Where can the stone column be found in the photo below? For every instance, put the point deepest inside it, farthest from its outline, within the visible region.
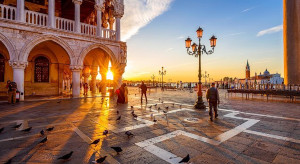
(94, 75)
(21, 10)
(118, 72)
(77, 4)
(291, 39)
(18, 76)
(51, 13)
(76, 80)
(118, 29)
(99, 8)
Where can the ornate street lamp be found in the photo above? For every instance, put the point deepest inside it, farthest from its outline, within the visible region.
(205, 76)
(153, 78)
(197, 51)
(162, 73)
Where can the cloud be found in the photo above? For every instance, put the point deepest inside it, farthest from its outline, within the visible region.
(248, 9)
(180, 37)
(270, 30)
(170, 49)
(138, 13)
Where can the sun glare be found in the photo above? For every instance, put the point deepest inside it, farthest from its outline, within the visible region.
(99, 77)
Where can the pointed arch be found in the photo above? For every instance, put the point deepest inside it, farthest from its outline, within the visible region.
(9, 46)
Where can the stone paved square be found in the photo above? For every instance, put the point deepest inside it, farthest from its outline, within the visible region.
(245, 132)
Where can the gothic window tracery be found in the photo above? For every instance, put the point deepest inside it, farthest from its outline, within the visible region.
(41, 69)
(2, 68)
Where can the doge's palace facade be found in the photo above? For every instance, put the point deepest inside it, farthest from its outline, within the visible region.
(46, 45)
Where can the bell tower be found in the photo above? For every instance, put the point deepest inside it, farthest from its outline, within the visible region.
(247, 70)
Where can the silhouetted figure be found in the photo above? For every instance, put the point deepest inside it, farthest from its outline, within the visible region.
(212, 96)
(144, 91)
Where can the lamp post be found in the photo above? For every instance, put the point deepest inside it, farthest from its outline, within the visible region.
(153, 78)
(205, 76)
(162, 73)
(198, 50)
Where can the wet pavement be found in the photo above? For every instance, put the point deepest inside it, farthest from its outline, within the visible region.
(245, 132)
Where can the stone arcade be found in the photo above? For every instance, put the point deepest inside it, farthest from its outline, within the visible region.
(48, 44)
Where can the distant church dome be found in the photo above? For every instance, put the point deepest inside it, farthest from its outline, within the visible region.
(266, 72)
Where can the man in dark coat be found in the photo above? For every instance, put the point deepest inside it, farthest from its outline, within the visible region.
(212, 96)
(144, 91)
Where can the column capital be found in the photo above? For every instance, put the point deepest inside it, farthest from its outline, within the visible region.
(75, 68)
(118, 9)
(77, 2)
(18, 64)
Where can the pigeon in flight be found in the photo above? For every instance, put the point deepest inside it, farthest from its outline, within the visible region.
(129, 134)
(27, 129)
(17, 126)
(44, 140)
(95, 142)
(100, 160)
(117, 149)
(185, 159)
(50, 129)
(42, 132)
(67, 156)
(105, 132)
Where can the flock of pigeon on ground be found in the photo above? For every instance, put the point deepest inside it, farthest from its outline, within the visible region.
(95, 142)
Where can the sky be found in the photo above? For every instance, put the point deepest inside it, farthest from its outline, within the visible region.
(155, 32)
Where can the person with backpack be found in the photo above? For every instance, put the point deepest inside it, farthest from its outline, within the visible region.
(11, 91)
(212, 96)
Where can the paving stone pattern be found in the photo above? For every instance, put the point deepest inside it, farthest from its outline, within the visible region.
(78, 122)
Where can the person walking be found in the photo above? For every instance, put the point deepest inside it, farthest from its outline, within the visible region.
(11, 91)
(144, 91)
(212, 96)
(85, 88)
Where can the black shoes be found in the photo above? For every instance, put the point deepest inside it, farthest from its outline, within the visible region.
(216, 116)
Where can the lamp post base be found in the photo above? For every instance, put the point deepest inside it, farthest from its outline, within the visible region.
(200, 104)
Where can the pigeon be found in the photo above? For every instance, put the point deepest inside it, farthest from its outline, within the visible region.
(185, 159)
(95, 142)
(132, 112)
(165, 112)
(117, 149)
(67, 156)
(162, 102)
(134, 116)
(27, 129)
(8, 161)
(119, 118)
(117, 112)
(150, 106)
(131, 107)
(105, 132)
(154, 120)
(180, 106)
(50, 129)
(173, 104)
(100, 160)
(44, 140)
(155, 105)
(167, 107)
(17, 126)
(128, 133)
(1, 129)
(158, 109)
(42, 132)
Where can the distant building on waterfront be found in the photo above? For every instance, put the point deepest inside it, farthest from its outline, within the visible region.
(265, 78)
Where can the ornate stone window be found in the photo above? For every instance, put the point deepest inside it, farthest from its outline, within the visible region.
(41, 69)
(2, 68)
